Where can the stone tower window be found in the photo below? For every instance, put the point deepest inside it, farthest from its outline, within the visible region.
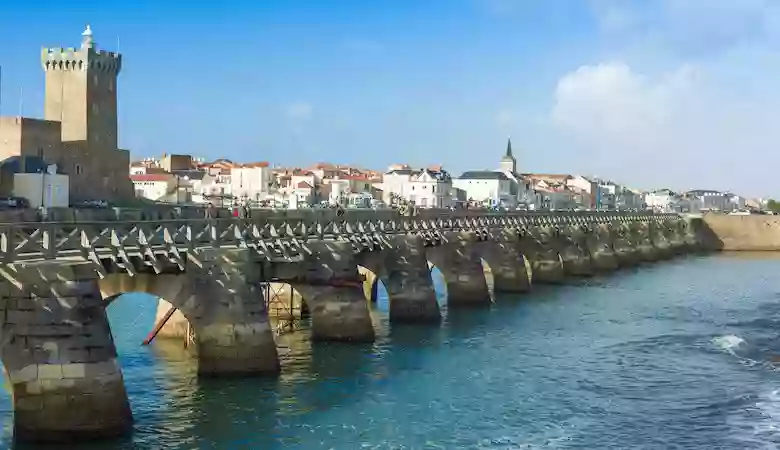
(96, 79)
(95, 108)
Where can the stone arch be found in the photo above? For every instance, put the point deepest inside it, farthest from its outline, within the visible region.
(224, 306)
(402, 268)
(371, 282)
(506, 261)
(544, 260)
(460, 263)
(171, 290)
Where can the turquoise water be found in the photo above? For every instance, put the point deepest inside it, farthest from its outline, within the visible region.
(676, 355)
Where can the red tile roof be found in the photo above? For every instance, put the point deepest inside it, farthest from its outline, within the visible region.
(303, 185)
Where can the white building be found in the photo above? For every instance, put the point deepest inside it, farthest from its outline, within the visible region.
(662, 200)
(157, 187)
(49, 189)
(492, 188)
(250, 182)
(426, 188)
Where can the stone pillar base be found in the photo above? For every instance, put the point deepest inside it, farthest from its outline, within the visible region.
(578, 266)
(512, 282)
(547, 269)
(627, 257)
(235, 350)
(604, 261)
(415, 309)
(648, 253)
(70, 402)
(467, 293)
(338, 313)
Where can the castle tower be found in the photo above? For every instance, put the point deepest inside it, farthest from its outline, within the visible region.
(81, 92)
(508, 162)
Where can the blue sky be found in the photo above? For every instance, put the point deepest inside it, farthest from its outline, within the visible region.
(653, 93)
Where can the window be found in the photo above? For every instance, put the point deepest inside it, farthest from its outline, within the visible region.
(40, 152)
(78, 169)
(95, 108)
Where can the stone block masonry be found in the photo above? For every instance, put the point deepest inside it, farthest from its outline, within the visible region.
(61, 360)
(59, 352)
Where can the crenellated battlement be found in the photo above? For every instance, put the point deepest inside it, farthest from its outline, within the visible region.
(71, 59)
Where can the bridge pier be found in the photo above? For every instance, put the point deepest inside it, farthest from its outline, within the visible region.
(545, 261)
(461, 265)
(332, 289)
(642, 240)
(626, 254)
(60, 356)
(599, 245)
(507, 262)
(403, 268)
(659, 240)
(576, 259)
(230, 320)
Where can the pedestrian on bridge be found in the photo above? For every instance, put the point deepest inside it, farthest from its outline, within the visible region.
(211, 211)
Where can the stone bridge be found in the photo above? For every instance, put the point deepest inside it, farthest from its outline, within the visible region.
(57, 278)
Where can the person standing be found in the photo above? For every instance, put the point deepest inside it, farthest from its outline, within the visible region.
(211, 211)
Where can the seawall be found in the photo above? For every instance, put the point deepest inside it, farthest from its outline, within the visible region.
(753, 232)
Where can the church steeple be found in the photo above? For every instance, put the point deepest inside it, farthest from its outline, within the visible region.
(508, 161)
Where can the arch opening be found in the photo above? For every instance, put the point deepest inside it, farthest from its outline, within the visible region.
(489, 277)
(439, 283)
(160, 377)
(286, 307)
(374, 290)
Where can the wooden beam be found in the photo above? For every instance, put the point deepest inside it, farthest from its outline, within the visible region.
(158, 326)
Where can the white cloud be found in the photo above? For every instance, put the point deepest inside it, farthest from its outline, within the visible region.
(300, 111)
(609, 102)
(679, 128)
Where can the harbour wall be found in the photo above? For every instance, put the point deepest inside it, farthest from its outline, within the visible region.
(753, 232)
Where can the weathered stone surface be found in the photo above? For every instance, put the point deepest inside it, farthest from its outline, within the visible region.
(507, 262)
(539, 247)
(403, 268)
(576, 259)
(61, 361)
(332, 289)
(461, 265)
